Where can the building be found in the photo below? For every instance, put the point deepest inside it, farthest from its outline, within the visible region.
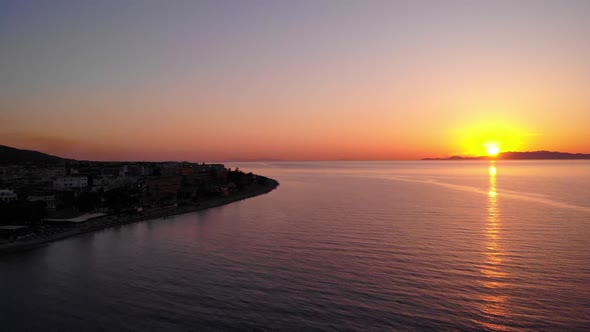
(161, 190)
(70, 183)
(220, 172)
(48, 199)
(7, 195)
(123, 170)
(50, 173)
(110, 171)
(136, 170)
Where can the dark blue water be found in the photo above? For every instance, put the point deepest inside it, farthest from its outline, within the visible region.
(338, 246)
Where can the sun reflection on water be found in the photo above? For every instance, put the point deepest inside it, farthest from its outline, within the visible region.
(493, 302)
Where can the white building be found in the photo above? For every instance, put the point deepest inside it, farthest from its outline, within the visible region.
(7, 195)
(70, 183)
(48, 199)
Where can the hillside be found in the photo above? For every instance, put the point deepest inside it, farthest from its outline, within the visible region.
(9, 155)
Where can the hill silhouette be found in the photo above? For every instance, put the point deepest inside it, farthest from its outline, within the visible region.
(9, 155)
(528, 155)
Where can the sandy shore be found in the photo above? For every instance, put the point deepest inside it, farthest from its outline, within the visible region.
(109, 221)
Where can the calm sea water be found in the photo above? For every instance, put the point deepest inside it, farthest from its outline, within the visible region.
(338, 246)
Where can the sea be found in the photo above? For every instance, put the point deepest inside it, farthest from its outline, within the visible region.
(338, 246)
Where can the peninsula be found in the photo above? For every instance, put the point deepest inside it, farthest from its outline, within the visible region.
(529, 155)
(45, 198)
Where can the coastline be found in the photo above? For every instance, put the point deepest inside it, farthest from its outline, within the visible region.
(107, 221)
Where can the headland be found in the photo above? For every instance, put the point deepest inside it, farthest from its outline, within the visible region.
(40, 235)
(45, 198)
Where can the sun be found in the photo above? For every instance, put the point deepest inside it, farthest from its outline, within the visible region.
(492, 149)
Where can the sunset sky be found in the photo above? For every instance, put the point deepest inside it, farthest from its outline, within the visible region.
(293, 80)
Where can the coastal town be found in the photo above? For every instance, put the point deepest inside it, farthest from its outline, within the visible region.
(44, 200)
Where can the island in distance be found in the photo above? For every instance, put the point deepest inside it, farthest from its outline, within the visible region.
(529, 155)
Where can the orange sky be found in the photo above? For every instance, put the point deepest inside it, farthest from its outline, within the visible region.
(308, 81)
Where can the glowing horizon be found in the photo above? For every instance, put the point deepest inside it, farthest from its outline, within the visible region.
(294, 81)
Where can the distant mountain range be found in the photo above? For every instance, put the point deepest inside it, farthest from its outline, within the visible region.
(529, 155)
(10, 155)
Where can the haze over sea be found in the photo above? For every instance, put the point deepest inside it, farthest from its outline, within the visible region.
(338, 246)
